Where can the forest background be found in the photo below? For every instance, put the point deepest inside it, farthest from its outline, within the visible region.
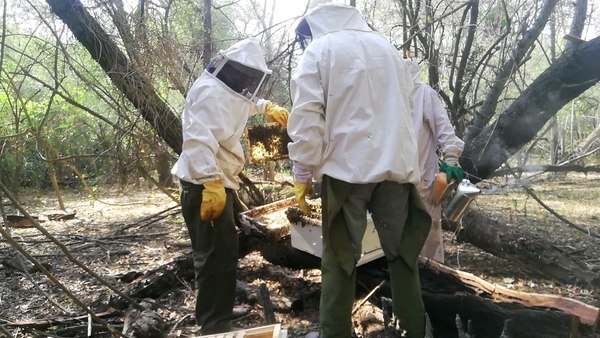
(64, 119)
(92, 91)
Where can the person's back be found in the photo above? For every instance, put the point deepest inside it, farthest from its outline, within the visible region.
(350, 127)
(434, 131)
(357, 75)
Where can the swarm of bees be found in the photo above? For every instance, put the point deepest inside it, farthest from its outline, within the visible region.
(295, 215)
(267, 142)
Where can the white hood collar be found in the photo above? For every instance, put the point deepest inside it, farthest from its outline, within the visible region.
(331, 17)
(249, 53)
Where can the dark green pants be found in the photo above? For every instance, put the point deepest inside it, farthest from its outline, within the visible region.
(402, 226)
(215, 247)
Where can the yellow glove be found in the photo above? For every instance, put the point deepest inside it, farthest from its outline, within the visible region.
(301, 190)
(275, 113)
(213, 200)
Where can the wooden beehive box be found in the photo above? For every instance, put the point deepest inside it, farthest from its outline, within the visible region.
(268, 331)
(266, 142)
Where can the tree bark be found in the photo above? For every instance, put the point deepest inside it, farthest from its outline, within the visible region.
(533, 253)
(572, 74)
(446, 293)
(122, 72)
(578, 23)
(547, 168)
(488, 109)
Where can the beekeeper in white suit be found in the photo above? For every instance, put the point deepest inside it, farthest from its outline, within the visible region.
(351, 128)
(216, 111)
(434, 131)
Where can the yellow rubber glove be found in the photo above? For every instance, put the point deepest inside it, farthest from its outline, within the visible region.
(213, 200)
(301, 190)
(275, 113)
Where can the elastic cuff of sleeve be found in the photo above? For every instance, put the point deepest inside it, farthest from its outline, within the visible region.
(453, 161)
(301, 174)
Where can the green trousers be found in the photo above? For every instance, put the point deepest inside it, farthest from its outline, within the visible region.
(402, 224)
(215, 252)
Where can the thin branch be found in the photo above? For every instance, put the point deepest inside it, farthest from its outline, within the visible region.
(364, 300)
(51, 277)
(5, 330)
(37, 287)
(64, 249)
(488, 109)
(531, 193)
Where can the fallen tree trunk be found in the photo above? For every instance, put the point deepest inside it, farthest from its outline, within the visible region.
(446, 293)
(546, 168)
(534, 253)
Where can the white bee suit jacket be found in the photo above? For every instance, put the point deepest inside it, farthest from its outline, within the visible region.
(434, 129)
(351, 109)
(214, 118)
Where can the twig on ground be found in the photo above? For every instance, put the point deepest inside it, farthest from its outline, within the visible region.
(53, 279)
(45, 294)
(5, 331)
(62, 247)
(152, 218)
(178, 323)
(364, 300)
(533, 195)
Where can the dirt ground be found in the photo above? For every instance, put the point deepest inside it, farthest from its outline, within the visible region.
(117, 234)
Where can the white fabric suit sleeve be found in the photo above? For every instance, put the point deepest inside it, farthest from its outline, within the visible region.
(306, 124)
(202, 129)
(450, 144)
(259, 107)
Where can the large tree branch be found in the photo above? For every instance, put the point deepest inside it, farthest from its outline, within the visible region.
(488, 109)
(122, 72)
(578, 23)
(572, 74)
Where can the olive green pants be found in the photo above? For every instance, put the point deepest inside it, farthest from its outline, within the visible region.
(402, 225)
(215, 251)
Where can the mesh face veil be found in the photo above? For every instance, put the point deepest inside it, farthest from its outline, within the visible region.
(242, 79)
(241, 67)
(303, 34)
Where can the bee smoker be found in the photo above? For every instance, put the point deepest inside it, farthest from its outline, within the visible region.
(464, 195)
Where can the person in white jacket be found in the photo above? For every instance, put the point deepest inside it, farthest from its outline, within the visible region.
(216, 111)
(434, 131)
(350, 127)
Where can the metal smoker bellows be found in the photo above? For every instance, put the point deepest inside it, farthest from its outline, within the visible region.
(465, 194)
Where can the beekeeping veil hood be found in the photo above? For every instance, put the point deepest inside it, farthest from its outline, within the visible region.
(245, 59)
(326, 17)
(415, 72)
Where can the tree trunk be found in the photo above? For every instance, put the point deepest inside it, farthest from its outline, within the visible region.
(488, 108)
(536, 254)
(446, 293)
(123, 73)
(572, 74)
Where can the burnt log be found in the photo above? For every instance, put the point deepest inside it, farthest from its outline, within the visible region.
(546, 168)
(485, 308)
(446, 294)
(530, 251)
(145, 323)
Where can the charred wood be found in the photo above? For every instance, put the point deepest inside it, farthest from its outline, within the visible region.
(546, 168)
(535, 254)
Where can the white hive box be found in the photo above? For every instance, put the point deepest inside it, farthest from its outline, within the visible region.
(308, 237)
